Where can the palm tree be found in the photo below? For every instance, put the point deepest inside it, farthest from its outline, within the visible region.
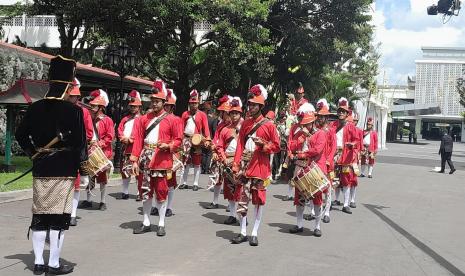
(337, 85)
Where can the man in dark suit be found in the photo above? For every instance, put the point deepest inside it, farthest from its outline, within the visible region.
(446, 153)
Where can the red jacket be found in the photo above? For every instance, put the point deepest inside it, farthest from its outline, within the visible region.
(106, 133)
(259, 165)
(360, 138)
(350, 142)
(316, 144)
(219, 128)
(224, 140)
(331, 147)
(201, 123)
(373, 141)
(121, 127)
(296, 104)
(88, 124)
(170, 132)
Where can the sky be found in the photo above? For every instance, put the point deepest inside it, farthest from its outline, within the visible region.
(403, 27)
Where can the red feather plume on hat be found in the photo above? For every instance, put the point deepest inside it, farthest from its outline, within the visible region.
(194, 93)
(235, 103)
(223, 99)
(133, 94)
(255, 90)
(320, 105)
(95, 93)
(343, 103)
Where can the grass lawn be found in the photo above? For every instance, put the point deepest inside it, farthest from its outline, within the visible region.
(22, 164)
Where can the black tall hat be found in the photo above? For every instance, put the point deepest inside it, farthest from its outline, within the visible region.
(60, 76)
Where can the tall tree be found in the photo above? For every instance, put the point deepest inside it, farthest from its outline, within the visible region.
(162, 33)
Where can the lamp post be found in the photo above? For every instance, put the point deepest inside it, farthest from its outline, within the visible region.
(122, 60)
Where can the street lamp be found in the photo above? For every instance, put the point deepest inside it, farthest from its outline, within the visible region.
(122, 60)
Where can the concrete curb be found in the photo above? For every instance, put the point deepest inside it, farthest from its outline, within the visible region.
(12, 196)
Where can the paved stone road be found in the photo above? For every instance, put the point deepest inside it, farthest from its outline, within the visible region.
(409, 221)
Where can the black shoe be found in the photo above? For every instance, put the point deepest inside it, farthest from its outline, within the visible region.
(352, 205)
(183, 186)
(73, 221)
(61, 270)
(346, 210)
(154, 211)
(195, 188)
(309, 217)
(85, 204)
(326, 219)
(102, 206)
(143, 229)
(288, 198)
(239, 239)
(370, 176)
(317, 233)
(211, 206)
(168, 213)
(124, 196)
(39, 269)
(362, 175)
(230, 220)
(452, 171)
(161, 231)
(253, 241)
(440, 171)
(336, 203)
(296, 230)
(138, 198)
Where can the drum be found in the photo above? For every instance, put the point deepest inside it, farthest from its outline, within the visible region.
(310, 180)
(196, 140)
(98, 162)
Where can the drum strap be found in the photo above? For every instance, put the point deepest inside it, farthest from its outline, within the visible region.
(255, 128)
(154, 124)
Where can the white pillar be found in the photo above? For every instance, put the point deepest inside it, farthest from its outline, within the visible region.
(418, 128)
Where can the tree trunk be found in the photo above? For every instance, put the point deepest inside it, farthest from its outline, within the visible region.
(181, 85)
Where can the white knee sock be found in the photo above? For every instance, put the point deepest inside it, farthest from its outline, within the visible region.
(352, 194)
(346, 191)
(232, 208)
(170, 198)
(364, 169)
(290, 191)
(196, 175)
(328, 204)
(216, 193)
(317, 216)
(185, 174)
(146, 208)
(38, 244)
(258, 217)
(102, 192)
(299, 213)
(55, 248)
(75, 203)
(337, 191)
(370, 169)
(243, 225)
(89, 196)
(126, 185)
(162, 212)
(311, 208)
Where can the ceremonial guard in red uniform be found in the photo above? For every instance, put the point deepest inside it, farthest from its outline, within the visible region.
(370, 148)
(347, 140)
(258, 139)
(177, 160)
(217, 177)
(330, 150)
(227, 145)
(299, 100)
(82, 178)
(103, 137)
(156, 139)
(307, 144)
(52, 132)
(195, 122)
(125, 136)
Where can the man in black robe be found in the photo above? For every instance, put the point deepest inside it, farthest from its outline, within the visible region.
(55, 167)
